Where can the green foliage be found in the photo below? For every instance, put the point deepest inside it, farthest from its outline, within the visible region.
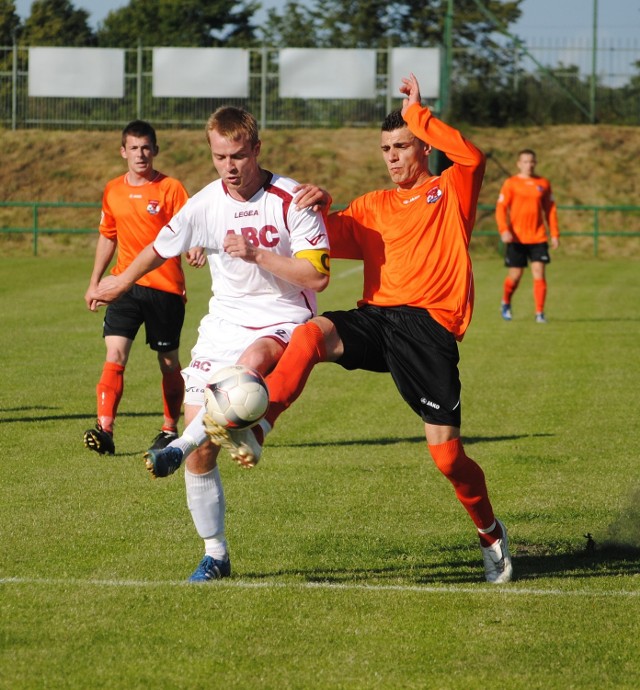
(9, 22)
(196, 23)
(57, 23)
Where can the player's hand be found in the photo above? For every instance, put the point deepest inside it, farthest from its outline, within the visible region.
(239, 247)
(411, 89)
(196, 257)
(313, 197)
(107, 291)
(555, 242)
(506, 236)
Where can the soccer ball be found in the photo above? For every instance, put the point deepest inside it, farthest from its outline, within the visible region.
(236, 397)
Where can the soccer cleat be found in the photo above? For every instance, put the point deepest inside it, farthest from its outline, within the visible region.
(164, 461)
(99, 440)
(540, 317)
(211, 568)
(505, 311)
(242, 444)
(163, 439)
(497, 560)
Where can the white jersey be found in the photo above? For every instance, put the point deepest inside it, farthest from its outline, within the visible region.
(243, 293)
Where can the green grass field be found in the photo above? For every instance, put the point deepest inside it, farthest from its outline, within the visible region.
(354, 566)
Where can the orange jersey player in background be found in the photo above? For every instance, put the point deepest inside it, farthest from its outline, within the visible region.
(135, 206)
(417, 301)
(525, 211)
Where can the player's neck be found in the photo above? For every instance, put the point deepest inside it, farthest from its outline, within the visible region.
(248, 192)
(136, 180)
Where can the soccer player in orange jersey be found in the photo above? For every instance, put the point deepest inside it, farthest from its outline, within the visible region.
(524, 211)
(135, 206)
(417, 299)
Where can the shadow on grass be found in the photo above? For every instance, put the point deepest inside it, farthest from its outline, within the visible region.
(387, 441)
(531, 563)
(62, 417)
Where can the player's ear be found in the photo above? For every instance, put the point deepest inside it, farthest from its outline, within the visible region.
(123, 152)
(427, 149)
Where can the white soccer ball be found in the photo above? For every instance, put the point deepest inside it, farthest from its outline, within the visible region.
(236, 397)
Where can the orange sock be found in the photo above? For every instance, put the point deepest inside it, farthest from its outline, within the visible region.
(539, 294)
(172, 397)
(109, 393)
(508, 288)
(468, 481)
(288, 379)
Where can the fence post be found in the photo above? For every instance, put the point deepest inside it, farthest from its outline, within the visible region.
(35, 229)
(139, 81)
(14, 87)
(263, 88)
(596, 230)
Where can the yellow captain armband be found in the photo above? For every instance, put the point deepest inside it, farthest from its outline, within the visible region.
(318, 257)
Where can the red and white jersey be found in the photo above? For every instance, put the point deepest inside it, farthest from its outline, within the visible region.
(243, 293)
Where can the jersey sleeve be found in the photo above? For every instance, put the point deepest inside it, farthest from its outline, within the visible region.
(502, 207)
(467, 171)
(178, 235)
(308, 230)
(107, 225)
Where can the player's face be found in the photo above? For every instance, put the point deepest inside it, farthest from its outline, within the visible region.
(236, 161)
(527, 164)
(139, 153)
(407, 157)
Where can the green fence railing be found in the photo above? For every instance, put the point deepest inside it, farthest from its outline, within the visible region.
(590, 221)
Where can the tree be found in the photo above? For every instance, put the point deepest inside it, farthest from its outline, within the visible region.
(57, 23)
(10, 24)
(379, 23)
(195, 23)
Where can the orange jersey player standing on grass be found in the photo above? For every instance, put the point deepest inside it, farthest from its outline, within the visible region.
(135, 206)
(524, 211)
(417, 300)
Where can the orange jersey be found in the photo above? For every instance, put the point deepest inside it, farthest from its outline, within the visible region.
(132, 216)
(414, 243)
(524, 204)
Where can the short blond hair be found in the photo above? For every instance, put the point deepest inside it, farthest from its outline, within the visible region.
(233, 123)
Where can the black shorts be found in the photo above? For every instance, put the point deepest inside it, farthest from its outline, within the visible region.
(161, 312)
(517, 254)
(420, 354)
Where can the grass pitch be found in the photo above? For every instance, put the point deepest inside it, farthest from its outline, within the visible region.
(354, 566)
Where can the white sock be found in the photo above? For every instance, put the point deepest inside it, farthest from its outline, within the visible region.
(192, 437)
(205, 499)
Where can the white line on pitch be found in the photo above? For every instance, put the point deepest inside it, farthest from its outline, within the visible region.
(512, 589)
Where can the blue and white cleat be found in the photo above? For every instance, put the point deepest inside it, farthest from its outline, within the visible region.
(505, 311)
(163, 462)
(540, 317)
(211, 568)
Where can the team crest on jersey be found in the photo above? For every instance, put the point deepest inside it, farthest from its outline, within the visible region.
(433, 195)
(153, 207)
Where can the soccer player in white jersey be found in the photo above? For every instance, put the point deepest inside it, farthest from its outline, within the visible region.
(267, 258)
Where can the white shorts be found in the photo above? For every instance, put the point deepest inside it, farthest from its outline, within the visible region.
(219, 344)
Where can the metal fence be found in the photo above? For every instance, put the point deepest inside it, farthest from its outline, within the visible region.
(45, 219)
(617, 66)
